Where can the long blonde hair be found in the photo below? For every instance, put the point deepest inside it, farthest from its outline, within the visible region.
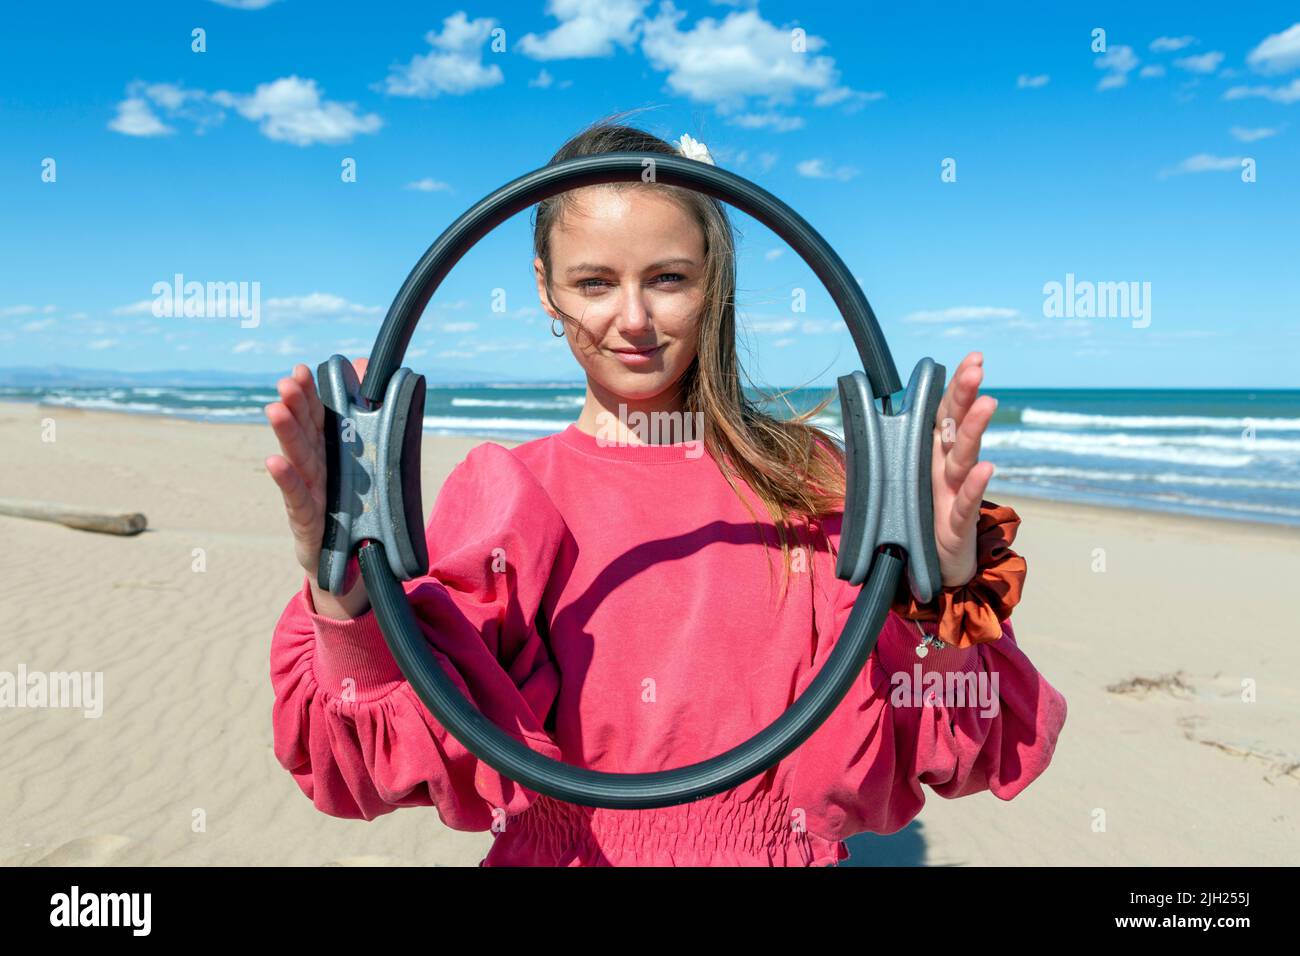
(794, 468)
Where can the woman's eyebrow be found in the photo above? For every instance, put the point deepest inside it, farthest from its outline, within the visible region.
(605, 270)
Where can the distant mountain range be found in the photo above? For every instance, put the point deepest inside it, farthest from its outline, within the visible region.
(54, 375)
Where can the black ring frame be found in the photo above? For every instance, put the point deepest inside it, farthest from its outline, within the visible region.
(502, 751)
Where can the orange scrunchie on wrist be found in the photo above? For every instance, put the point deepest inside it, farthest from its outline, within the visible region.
(972, 613)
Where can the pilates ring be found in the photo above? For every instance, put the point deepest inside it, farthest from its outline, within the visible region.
(372, 438)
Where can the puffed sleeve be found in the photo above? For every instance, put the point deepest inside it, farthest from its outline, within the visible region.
(959, 720)
(348, 726)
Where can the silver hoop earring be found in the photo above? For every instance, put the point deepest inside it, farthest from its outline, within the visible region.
(559, 334)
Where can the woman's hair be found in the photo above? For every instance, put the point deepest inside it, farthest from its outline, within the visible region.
(795, 469)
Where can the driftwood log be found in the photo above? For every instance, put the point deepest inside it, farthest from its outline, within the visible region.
(85, 519)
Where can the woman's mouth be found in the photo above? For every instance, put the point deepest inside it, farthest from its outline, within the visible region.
(638, 356)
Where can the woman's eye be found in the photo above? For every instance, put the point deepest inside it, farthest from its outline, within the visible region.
(587, 284)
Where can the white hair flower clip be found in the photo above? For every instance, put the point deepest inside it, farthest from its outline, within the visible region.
(694, 149)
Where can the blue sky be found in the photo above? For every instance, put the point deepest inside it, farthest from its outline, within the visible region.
(1122, 166)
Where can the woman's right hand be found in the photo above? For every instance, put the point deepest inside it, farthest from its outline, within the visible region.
(298, 421)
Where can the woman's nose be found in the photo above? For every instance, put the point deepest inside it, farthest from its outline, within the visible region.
(634, 316)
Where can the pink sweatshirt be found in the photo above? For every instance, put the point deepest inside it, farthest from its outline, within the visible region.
(611, 607)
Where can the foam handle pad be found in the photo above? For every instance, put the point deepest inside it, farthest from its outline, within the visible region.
(888, 497)
(372, 487)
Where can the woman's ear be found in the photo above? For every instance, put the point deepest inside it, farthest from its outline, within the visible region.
(539, 273)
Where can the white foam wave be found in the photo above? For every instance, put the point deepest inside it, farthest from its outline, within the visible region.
(1249, 506)
(1188, 451)
(150, 408)
(1035, 416)
(1167, 478)
(560, 402)
(473, 425)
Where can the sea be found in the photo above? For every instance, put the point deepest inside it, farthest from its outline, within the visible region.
(1230, 453)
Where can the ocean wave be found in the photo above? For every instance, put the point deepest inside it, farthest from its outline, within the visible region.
(91, 403)
(1187, 451)
(538, 386)
(473, 425)
(560, 403)
(1218, 442)
(1252, 507)
(1035, 416)
(1167, 478)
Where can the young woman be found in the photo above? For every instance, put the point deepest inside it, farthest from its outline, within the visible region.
(630, 605)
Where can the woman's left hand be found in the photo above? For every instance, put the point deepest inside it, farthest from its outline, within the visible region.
(958, 477)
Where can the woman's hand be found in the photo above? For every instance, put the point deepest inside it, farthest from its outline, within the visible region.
(958, 477)
(298, 421)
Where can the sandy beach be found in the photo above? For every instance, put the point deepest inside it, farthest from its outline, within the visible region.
(1161, 760)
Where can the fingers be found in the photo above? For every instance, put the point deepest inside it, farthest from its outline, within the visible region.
(966, 503)
(962, 390)
(298, 502)
(361, 364)
(303, 449)
(294, 397)
(302, 375)
(965, 453)
(961, 393)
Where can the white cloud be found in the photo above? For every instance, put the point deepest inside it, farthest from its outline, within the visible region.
(728, 61)
(588, 28)
(315, 305)
(1279, 53)
(428, 185)
(776, 122)
(459, 326)
(1203, 63)
(774, 326)
(100, 344)
(855, 99)
(1278, 94)
(1203, 163)
(816, 169)
(9, 310)
(1118, 62)
(962, 313)
(1026, 82)
(1170, 44)
(135, 118)
(285, 346)
(773, 254)
(821, 326)
(1251, 135)
(480, 348)
(138, 114)
(171, 96)
(545, 81)
(36, 326)
(1154, 69)
(291, 110)
(454, 67)
(143, 307)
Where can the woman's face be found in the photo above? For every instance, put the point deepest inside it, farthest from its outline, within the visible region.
(628, 265)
